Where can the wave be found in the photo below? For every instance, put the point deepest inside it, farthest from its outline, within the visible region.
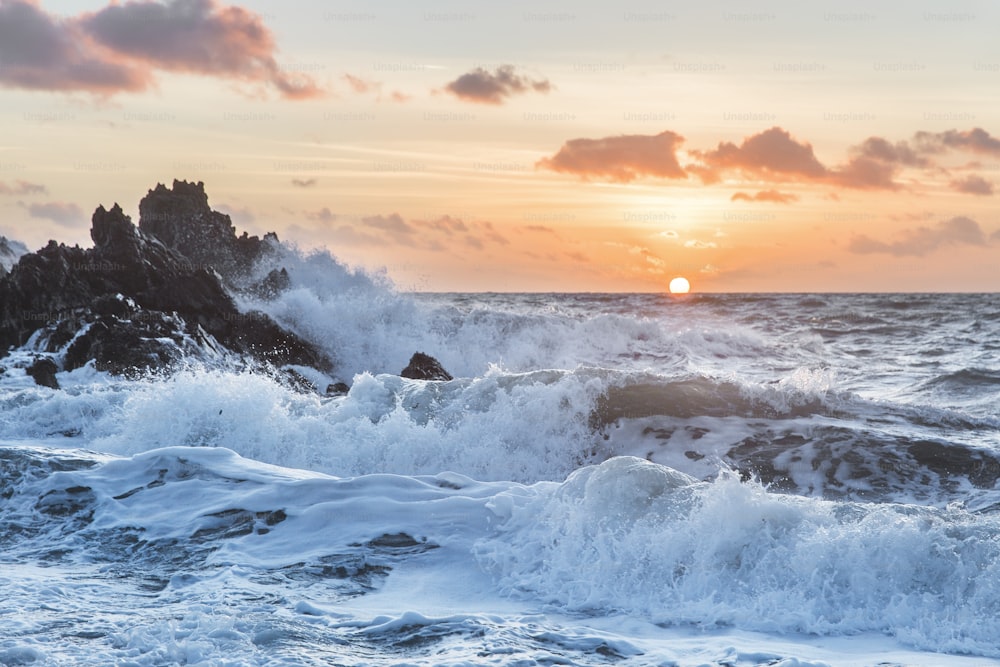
(624, 537)
(637, 538)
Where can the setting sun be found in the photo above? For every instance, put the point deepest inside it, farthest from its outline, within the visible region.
(680, 285)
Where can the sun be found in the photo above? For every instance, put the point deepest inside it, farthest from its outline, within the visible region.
(680, 285)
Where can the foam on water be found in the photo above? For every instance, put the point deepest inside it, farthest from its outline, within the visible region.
(640, 539)
(196, 555)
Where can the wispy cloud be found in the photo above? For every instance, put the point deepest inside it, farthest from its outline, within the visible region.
(122, 47)
(920, 241)
(484, 87)
(22, 188)
(765, 195)
(61, 213)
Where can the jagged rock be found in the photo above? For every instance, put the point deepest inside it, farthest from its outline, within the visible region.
(424, 367)
(43, 371)
(181, 219)
(147, 305)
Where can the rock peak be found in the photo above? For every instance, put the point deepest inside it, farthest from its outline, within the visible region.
(111, 229)
(180, 218)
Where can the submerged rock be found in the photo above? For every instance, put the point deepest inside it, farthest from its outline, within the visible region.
(425, 367)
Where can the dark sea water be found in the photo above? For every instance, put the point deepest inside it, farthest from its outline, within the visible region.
(628, 479)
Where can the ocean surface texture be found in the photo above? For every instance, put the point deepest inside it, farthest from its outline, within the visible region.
(610, 480)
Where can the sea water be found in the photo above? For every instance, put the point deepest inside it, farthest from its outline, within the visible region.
(627, 479)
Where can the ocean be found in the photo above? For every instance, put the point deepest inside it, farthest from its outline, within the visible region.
(610, 479)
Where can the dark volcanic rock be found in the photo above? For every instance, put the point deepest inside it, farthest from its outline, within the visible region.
(425, 367)
(146, 305)
(44, 372)
(181, 219)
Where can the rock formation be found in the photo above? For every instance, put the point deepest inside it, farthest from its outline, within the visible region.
(181, 219)
(136, 301)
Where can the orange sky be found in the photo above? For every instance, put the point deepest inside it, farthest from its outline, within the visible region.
(765, 147)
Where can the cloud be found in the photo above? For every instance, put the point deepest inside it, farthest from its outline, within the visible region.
(483, 87)
(620, 159)
(363, 86)
(392, 223)
(700, 245)
(444, 224)
(765, 195)
(973, 185)
(62, 213)
(22, 188)
(976, 140)
(121, 47)
(324, 215)
(300, 183)
(864, 172)
(772, 154)
(877, 148)
(923, 240)
(360, 85)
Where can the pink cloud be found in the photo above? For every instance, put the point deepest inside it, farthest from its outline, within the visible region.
(620, 159)
(765, 195)
(772, 154)
(22, 188)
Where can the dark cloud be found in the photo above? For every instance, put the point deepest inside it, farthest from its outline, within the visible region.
(40, 52)
(765, 195)
(62, 213)
(973, 185)
(621, 159)
(22, 188)
(121, 47)
(921, 241)
(485, 87)
(306, 183)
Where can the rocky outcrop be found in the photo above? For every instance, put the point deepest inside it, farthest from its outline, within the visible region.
(425, 367)
(132, 303)
(181, 219)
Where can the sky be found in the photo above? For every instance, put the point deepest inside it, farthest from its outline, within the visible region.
(528, 146)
